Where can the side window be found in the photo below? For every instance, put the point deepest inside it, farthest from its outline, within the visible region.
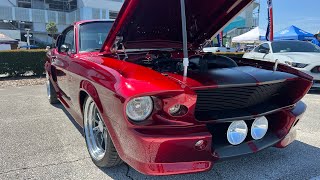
(257, 49)
(263, 48)
(68, 39)
(58, 41)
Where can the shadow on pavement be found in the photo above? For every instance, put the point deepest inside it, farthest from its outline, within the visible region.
(314, 91)
(73, 121)
(112, 172)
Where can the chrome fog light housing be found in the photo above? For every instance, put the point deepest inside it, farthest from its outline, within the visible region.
(237, 132)
(174, 109)
(259, 128)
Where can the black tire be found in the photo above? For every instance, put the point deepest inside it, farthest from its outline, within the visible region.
(51, 92)
(110, 156)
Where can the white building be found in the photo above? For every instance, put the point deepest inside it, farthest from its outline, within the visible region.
(17, 15)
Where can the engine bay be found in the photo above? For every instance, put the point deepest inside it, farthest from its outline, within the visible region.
(166, 61)
(161, 62)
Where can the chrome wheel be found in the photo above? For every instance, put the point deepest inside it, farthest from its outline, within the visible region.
(95, 131)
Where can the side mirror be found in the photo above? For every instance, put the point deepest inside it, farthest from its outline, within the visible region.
(64, 48)
(265, 51)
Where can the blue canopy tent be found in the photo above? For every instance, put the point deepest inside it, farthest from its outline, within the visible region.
(292, 33)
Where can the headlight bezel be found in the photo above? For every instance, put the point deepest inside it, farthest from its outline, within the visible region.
(297, 64)
(137, 119)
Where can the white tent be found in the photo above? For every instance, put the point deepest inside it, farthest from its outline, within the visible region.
(252, 36)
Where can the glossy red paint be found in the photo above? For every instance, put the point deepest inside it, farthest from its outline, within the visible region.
(164, 144)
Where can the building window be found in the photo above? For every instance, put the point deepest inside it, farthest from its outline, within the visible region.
(113, 14)
(54, 5)
(24, 3)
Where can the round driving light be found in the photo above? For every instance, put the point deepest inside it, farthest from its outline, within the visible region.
(237, 132)
(259, 128)
(201, 145)
(138, 109)
(174, 109)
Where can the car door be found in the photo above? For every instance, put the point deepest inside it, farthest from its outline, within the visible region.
(63, 58)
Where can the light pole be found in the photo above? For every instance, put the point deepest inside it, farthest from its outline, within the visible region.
(28, 37)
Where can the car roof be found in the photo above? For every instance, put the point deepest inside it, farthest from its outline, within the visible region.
(92, 20)
(288, 41)
(270, 42)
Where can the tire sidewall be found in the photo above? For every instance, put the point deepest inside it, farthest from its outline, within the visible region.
(105, 161)
(51, 93)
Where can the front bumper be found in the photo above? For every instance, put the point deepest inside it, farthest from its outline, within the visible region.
(174, 151)
(316, 84)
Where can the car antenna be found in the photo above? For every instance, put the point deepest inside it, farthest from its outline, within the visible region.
(185, 39)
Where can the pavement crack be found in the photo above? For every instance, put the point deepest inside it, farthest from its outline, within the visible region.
(127, 173)
(41, 166)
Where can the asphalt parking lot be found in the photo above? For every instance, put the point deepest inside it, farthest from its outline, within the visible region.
(40, 141)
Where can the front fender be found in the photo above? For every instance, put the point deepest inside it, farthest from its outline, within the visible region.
(90, 89)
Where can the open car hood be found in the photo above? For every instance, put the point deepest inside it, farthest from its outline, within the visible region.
(146, 24)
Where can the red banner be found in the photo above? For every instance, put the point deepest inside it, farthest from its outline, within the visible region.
(269, 35)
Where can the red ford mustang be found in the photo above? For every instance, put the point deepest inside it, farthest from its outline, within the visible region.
(147, 95)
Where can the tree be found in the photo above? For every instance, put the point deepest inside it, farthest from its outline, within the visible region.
(52, 30)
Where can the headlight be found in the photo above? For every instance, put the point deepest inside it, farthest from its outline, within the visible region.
(296, 65)
(174, 109)
(259, 128)
(299, 65)
(237, 132)
(138, 109)
(316, 69)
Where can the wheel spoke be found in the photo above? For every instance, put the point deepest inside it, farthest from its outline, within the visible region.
(96, 140)
(101, 136)
(95, 134)
(95, 128)
(95, 120)
(101, 140)
(99, 118)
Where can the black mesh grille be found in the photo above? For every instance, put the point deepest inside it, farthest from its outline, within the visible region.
(230, 102)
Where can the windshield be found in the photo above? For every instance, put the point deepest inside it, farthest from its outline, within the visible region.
(92, 35)
(294, 46)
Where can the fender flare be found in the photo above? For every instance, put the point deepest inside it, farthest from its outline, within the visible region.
(90, 89)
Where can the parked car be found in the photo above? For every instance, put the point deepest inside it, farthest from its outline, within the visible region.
(219, 49)
(209, 47)
(138, 103)
(29, 47)
(300, 55)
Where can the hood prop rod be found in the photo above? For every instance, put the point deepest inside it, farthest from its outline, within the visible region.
(185, 38)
